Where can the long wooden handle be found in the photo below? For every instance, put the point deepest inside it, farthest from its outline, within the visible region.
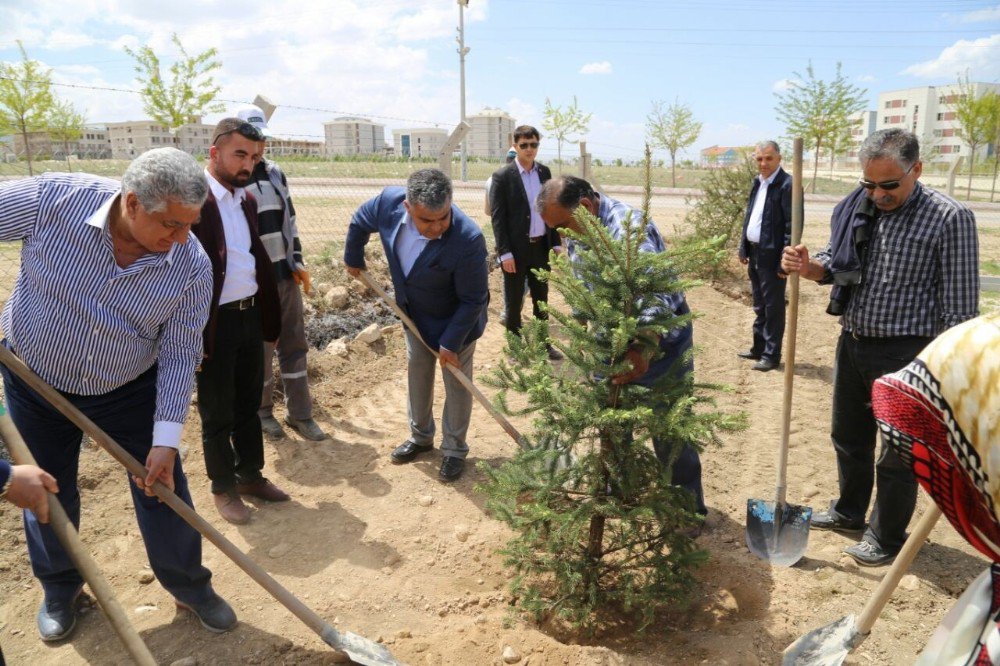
(791, 327)
(85, 564)
(892, 577)
(67, 409)
(459, 375)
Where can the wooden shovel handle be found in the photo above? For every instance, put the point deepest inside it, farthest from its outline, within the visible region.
(459, 375)
(67, 409)
(70, 540)
(892, 577)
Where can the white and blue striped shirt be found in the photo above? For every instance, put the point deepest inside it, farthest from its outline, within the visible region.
(86, 325)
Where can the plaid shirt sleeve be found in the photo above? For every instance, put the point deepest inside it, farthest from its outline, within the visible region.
(958, 291)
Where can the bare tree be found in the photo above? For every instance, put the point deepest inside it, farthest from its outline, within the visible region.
(25, 99)
(187, 95)
(672, 127)
(564, 124)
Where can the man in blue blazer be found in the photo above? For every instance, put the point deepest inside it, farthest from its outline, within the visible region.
(767, 229)
(437, 260)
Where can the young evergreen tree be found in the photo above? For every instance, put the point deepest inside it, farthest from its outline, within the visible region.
(607, 533)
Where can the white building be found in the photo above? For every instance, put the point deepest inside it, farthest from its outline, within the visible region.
(862, 126)
(353, 136)
(132, 138)
(418, 141)
(929, 112)
(490, 135)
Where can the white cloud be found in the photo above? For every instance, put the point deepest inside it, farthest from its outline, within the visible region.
(602, 67)
(781, 85)
(865, 78)
(523, 113)
(980, 57)
(981, 15)
(64, 40)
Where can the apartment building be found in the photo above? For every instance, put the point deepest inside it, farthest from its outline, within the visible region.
(134, 137)
(418, 141)
(353, 136)
(490, 133)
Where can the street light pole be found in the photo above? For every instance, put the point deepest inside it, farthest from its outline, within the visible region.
(463, 50)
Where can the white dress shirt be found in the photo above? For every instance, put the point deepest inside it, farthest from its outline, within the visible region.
(241, 269)
(757, 212)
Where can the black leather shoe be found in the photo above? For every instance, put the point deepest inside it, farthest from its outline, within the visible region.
(749, 355)
(824, 520)
(554, 354)
(451, 468)
(214, 613)
(57, 619)
(765, 365)
(407, 451)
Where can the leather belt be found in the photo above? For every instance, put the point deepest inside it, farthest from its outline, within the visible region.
(887, 339)
(242, 304)
(536, 239)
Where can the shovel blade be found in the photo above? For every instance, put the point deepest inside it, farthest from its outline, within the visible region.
(826, 646)
(779, 534)
(360, 649)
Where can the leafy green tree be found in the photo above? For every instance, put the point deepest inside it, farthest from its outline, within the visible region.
(564, 124)
(188, 93)
(25, 98)
(599, 528)
(994, 139)
(672, 127)
(819, 110)
(976, 123)
(65, 124)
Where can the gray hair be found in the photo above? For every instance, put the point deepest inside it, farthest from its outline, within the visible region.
(165, 175)
(564, 191)
(429, 188)
(773, 145)
(895, 144)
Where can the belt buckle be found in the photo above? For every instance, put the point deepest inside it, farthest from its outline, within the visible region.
(246, 303)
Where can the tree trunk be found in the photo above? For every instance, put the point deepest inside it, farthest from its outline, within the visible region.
(27, 148)
(673, 169)
(972, 163)
(996, 166)
(595, 539)
(559, 154)
(812, 187)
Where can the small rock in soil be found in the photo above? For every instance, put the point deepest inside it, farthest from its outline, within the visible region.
(369, 334)
(426, 500)
(510, 655)
(146, 577)
(186, 661)
(462, 532)
(336, 298)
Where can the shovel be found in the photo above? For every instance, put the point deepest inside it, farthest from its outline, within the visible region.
(778, 532)
(357, 648)
(830, 645)
(85, 564)
(459, 375)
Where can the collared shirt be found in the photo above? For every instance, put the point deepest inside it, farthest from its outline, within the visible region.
(241, 268)
(83, 323)
(921, 275)
(532, 186)
(757, 212)
(410, 243)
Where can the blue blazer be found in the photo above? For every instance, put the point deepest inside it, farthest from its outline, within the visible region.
(447, 290)
(776, 221)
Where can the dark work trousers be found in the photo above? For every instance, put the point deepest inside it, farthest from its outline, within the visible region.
(513, 285)
(768, 305)
(858, 364)
(126, 414)
(229, 388)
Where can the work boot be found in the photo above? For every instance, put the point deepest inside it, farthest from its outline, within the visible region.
(270, 427)
(57, 619)
(214, 613)
(308, 428)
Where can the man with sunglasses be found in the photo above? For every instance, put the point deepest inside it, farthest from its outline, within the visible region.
(108, 309)
(244, 314)
(521, 237)
(904, 262)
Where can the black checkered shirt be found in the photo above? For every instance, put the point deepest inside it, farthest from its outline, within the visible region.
(922, 271)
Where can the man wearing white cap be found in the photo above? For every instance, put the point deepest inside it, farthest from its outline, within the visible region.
(278, 232)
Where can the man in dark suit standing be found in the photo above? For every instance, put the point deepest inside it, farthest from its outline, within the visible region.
(767, 228)
(522, 239)
(437, 260)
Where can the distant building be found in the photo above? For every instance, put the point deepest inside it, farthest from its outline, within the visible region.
(490, 135)
(93, 144)
(723, 156)
(353, 136)
(929, 112)
(418, 141)
(281, 147)
(132, 138)
(194, 138)
(863, 124)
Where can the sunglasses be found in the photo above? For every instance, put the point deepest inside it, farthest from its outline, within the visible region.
(527, 144)
(885, 184)
(245, 130)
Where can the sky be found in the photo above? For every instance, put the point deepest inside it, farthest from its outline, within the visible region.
(396, 61)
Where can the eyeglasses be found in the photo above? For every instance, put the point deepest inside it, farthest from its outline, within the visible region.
(527, 144)
(245, 130)
(885, 184)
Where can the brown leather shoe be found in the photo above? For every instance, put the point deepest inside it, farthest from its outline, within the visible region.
(231, 507)
(263, 489)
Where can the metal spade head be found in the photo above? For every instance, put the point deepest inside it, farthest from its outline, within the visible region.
(826, 646)
(360, 649)
(776, 532)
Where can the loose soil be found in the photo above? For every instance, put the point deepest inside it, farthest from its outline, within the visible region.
(390, 553)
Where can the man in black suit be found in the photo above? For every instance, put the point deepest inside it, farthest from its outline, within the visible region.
(767, 228)
(522, 239)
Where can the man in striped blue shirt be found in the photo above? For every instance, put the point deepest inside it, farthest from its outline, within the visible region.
(108, 308)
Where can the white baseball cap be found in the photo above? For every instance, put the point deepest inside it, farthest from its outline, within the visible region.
(253, 115)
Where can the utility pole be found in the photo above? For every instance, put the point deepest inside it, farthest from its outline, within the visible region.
(463, 50)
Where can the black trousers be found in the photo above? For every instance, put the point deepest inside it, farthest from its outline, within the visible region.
(229, 390)
(858, 364)
(768, 305)
(513, 285)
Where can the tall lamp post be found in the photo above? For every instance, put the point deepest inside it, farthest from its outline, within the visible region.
(463, 50)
